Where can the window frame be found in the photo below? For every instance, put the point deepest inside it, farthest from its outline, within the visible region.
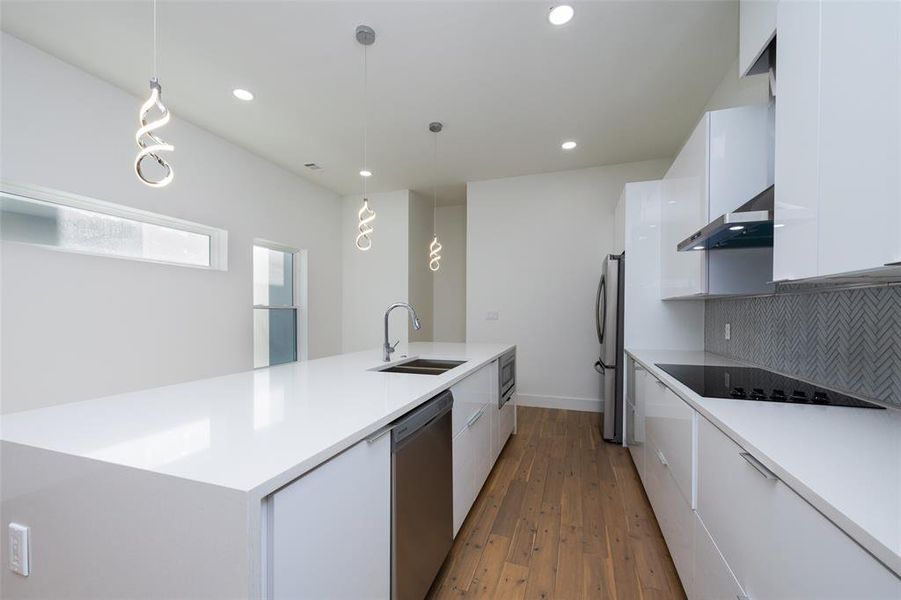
(42, 195)
(298, 292)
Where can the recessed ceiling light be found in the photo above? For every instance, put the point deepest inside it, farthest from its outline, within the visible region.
(561, 15)
(244, 95)
(698, 248)
(365, 173)
(568, 145)
(736, 228)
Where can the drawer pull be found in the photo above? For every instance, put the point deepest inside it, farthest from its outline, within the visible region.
(662, 459)
(472, 420)
(758, 466)
(378, 435)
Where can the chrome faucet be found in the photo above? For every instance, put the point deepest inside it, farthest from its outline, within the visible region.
(388, 348)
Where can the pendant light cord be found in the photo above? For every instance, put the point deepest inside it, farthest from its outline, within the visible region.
(155, 68)
(365, 117)
(435, 190)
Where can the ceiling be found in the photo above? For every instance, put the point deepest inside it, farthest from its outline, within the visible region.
(627, 80)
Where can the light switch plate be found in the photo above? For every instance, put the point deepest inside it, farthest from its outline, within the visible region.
(492, 315)
(18, 549)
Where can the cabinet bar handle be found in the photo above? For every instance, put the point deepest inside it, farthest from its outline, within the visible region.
(662, 458)
(378, 435)
(758, 466)
(472, 420)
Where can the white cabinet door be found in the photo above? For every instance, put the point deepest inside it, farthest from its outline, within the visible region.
(683, 211)
(332, 522)
(860, 135)
(838, 138)
(713, 579)
(674, 514)
(795, 236)
(472, 393)
(472, 461)
(635, 425)
(506, 422)
(670, 428)
(756, 29)
(776, 544)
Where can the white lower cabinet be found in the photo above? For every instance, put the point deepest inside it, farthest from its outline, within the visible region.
(480, 431)
(669, 423)
(638, 379)
(472, 461)
(504, 426)
(673, 511)
(750, 535)
(713, 579)
(776, 544)
(472, 393)
(329, 533)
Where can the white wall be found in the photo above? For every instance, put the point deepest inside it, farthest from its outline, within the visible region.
(378, 277)
(535, 246)
(422, 227)
(450, 280)
(75, 326)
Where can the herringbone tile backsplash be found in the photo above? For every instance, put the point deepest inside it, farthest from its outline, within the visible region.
(845, 339)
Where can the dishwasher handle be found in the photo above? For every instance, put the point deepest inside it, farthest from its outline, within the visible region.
(421, 417)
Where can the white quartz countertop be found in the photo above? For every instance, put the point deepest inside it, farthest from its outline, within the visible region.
(253, 431)
(846, 462)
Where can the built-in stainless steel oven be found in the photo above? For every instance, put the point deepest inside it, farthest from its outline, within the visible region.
(506, 377)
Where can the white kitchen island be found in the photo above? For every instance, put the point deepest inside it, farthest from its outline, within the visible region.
(163, 492)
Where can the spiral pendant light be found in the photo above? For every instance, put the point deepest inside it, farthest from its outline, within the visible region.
(366, 37)
(149, 143)
(435, 247)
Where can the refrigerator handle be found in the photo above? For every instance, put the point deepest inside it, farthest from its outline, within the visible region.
(601, 319)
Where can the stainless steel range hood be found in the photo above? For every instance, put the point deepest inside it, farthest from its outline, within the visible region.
(749, 226)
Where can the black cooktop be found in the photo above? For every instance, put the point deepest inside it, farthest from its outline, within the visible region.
(749, 383)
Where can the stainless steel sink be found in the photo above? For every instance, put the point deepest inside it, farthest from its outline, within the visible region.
(423, 366)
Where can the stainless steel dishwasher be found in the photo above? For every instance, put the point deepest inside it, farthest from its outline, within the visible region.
(421, 497)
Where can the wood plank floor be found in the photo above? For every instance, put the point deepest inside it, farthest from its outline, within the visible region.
(563, 516)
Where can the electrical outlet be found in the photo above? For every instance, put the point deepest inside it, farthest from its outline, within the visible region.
(18, 549)
(728, 331)
(492, 316)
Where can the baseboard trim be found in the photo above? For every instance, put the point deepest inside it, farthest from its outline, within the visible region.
(583, 404)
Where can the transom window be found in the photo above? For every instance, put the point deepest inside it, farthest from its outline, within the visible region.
(73, 223)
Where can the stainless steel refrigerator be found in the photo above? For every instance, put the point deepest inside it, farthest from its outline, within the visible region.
(609, 309)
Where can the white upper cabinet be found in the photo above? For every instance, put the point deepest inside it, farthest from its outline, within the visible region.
(726, 162)
(683, 210)
(797, 143)
(838, 138)
(860, 133)
(757, 27)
